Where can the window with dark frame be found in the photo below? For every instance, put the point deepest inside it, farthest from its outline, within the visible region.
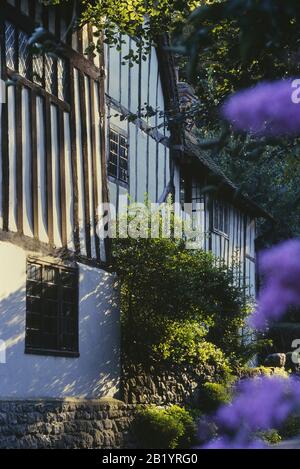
(51, 309)
(118, 156)
(220, 217)
(47, 70)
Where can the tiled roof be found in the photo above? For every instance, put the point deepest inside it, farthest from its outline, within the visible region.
(200, 155)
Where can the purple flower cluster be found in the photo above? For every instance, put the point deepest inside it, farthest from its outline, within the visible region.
(281, 269)
(227, 443)
(266, 109)
(260, 404)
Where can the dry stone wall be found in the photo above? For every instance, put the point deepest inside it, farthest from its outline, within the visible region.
(70, 423)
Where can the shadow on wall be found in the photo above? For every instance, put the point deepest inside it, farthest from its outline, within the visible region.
(95, 373)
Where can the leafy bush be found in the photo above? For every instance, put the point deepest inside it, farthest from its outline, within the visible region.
(163, 284)
(271, 437)
(214, 395)
(184, 343)
(248, 372)
(168, 428)
(291, 427)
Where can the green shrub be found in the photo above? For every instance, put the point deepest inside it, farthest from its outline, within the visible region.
(213, 395)
(162, 282)
(169, 428)
(248, 372)
(271, 437)
(184, 343)
(291, 427)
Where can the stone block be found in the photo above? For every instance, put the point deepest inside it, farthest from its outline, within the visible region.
(276, 360)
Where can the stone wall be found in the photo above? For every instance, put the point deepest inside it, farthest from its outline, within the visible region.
(162, 387)
(69, 423)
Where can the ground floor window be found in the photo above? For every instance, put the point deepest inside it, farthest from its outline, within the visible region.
(51, 309)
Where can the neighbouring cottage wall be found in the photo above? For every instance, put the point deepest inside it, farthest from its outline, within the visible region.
(70, 423)
(96, 373)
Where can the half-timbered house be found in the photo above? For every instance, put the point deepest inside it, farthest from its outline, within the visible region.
(65, 147)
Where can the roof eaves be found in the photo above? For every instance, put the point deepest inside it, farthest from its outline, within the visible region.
(192, 148)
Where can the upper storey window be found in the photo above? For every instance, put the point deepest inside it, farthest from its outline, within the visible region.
(47, 71)
(118, 156)
(221, 217)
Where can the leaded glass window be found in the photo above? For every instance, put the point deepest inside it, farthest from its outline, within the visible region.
(24, 56)
(46, 70)
(10, 45)
(118, 156)
(51, 309)
(220, 217)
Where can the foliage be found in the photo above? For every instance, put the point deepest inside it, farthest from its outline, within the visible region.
(164, 286)
(128, 17)
(184, 343)
(259, 371)
(272, 436)
(232, 45)
(213, 395)
(291, 427)
(163, 428)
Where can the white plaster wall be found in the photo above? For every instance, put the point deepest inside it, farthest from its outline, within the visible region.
(95, 373)
(123, 84)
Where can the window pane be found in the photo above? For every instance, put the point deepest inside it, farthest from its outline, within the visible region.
(122, 141)
(113, 158)
(38, 69)
(221, 215)
(10, 32)
(33, 338)
(51, 308)
(34, 272)
(50, 325)
(33, 305)
(24, 55)
(50, 275)
(50, 342)
(61, 79)
(226, 219)
(33, 321)
(68, 279)
(68, 326)
(68, 294)
(123, 174)
(51, 292)
(69, 341)
(50, 74)
(113, 136)
(123, 163)
(68, 310)
(34, 288)
(112, 166)
(216, 215)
